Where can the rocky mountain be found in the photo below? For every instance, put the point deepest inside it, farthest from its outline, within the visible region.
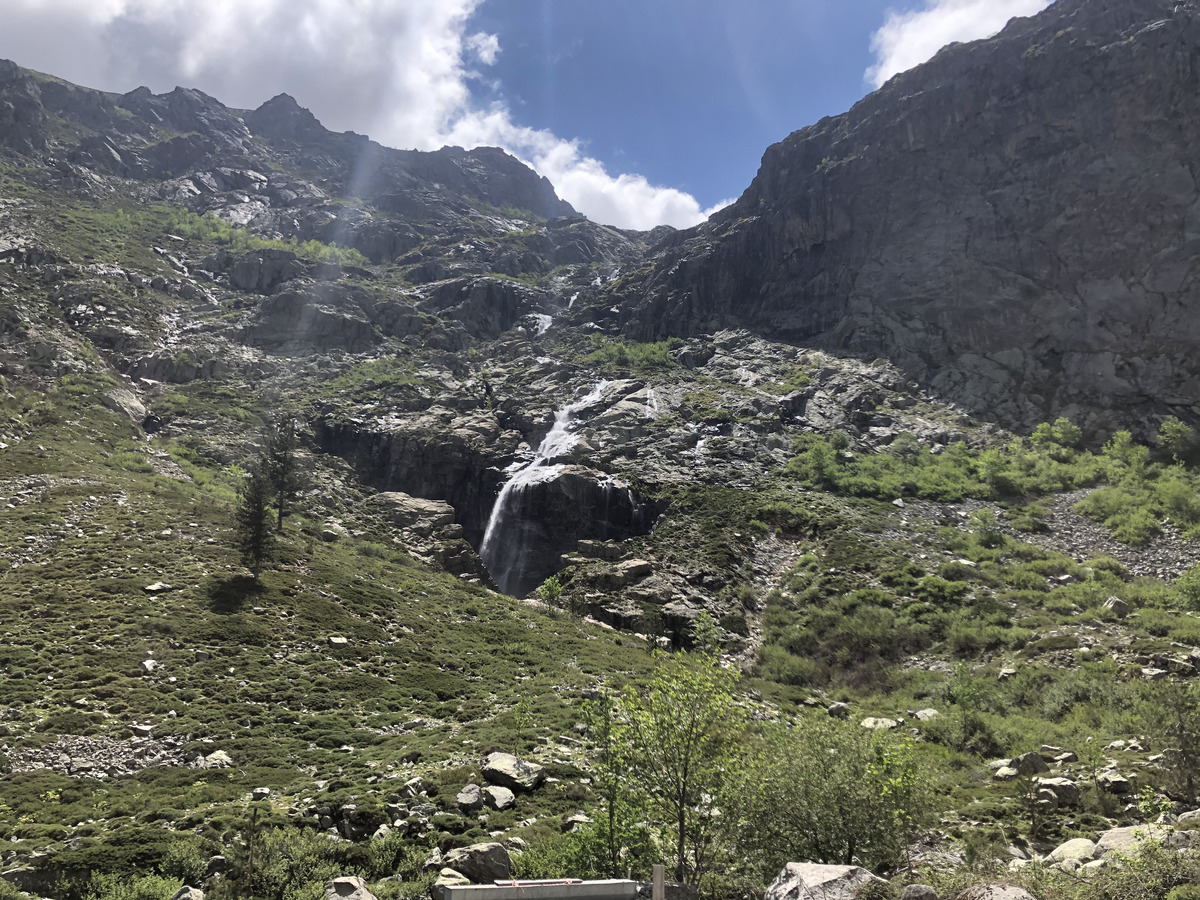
(908, 431)
(1013, 223)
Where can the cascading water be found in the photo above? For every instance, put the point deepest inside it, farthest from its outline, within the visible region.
(506, 545)
(651, 404)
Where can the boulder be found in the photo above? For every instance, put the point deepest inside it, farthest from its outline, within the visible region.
(447, 878)
(188, 893)
(122, 401)
(877, 724)
(1030, 763)
(1066, 792)
(1114, 783)
(262, 271)
(1119, 607)
(839, 710)
(1080, 849)
(469, 798)
(1126, 840)
(218, 759)
(918, 892)
(810, 881)
(481, 863)
(515, 774)
(348, 888)
(497, 797)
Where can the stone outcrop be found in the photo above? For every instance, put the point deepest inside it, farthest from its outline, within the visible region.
(1013, 222)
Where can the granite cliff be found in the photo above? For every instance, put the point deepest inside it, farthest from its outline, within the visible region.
(1014, 223)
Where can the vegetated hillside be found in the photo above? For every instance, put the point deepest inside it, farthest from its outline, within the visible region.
(176, 276)
(1011, 223)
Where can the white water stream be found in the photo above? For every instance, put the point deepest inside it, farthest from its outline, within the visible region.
(504, 555)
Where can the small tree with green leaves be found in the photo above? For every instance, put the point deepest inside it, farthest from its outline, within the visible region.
(685, 743)
(830, 792)
(618, 837)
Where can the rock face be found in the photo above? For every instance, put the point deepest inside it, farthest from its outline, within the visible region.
(1013, 222)
(809, 881)
(548, 517)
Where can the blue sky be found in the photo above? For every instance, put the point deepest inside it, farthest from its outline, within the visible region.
(641, 112)
(688, 94)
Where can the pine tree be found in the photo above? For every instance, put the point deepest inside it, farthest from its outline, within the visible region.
(255, 538)
(281, 465)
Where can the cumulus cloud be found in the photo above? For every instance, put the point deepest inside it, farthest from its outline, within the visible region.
(907, 39)
(397, 71)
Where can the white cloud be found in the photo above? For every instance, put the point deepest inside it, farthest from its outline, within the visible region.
(486, 47)
(907, 39)
(399, 71)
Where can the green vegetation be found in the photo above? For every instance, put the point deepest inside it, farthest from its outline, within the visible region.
(610, 356)
(1137, 496)
(127, 234)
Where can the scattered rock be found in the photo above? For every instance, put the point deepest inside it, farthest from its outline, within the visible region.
(918, 892)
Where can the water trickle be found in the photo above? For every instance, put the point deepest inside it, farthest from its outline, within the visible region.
(651, 404)
(505, 548)
(574, 297)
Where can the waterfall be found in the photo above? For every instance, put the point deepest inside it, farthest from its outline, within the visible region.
(543, 323)
(505, 553)
(651, 404)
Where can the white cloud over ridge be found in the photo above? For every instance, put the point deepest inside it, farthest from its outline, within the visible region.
(907, 39)
(399, 71)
